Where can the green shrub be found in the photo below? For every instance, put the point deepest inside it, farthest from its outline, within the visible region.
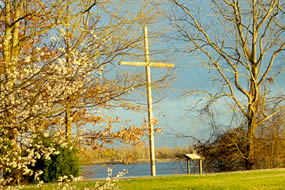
(65, 163)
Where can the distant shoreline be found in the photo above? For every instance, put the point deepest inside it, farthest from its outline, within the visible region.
(138, 161)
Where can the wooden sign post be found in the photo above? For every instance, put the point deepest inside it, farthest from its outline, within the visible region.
(147, 65)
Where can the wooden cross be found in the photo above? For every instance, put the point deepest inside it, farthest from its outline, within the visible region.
(147, 65)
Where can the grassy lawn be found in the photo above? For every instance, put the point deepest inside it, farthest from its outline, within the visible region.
(259, 180)
(263, 179)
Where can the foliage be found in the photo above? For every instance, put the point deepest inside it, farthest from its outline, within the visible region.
(270, 143)
(226, 151)
(73, 183)
(16, 159)
(131, 154)
(64, 163)
(56, 72)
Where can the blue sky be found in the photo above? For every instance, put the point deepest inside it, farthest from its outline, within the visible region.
(172, 112)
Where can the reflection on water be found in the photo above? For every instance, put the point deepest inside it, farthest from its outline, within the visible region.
(141, 169)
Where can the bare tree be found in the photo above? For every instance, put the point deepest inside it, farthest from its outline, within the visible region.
(243, 42)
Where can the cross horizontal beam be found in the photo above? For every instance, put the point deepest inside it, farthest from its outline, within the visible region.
(148, 65)
(151, 64)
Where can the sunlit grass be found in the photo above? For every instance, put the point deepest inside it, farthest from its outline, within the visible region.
(265, 179)
(272, 179)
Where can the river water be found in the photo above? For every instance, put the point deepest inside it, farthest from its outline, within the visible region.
(140, 169)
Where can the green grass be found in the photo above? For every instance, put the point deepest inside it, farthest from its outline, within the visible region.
(271, 179)
(263, 179)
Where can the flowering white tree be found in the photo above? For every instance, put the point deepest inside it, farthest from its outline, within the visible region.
(54, 56)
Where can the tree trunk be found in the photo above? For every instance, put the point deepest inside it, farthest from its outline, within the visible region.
(250, 142)
(68, 122)
(251, 120)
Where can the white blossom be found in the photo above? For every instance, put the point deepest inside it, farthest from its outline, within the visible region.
(27, 59)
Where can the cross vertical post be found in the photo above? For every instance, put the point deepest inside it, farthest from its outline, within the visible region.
(149, 105)
(147, 65)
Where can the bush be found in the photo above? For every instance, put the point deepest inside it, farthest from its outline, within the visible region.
(226, 152)
(64, 163)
